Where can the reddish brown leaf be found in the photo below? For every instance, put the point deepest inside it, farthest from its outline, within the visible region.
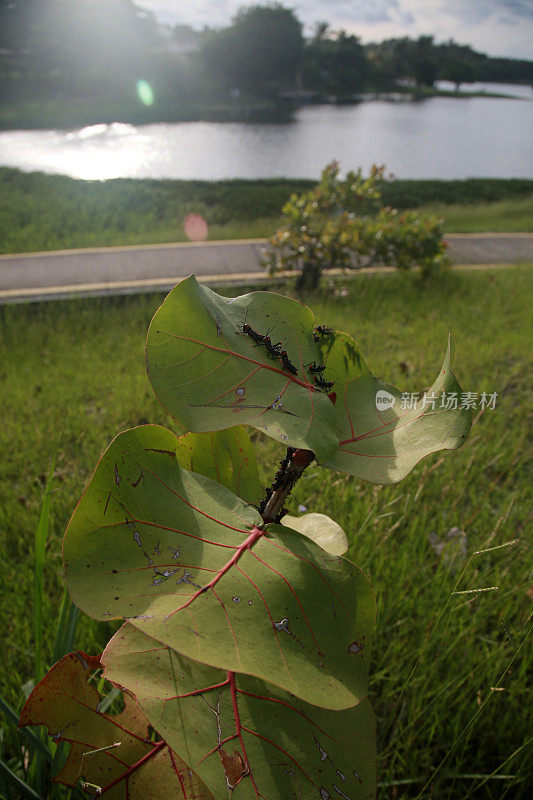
(112, 752)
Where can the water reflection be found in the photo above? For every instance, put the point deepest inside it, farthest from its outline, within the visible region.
(437, 138)
(96, 152)
(103, 129)
(512, 89)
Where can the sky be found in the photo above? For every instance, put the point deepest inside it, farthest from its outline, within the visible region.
(496, 27)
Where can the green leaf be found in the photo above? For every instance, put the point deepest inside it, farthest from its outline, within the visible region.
(110, 752)
(323, 530)
(185, 560)
(210, 374)
(341, 357)
(383, 445)
(242, 736)
(227, 457)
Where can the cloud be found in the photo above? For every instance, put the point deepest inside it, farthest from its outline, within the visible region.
(220, 12)
(213, 13)
(373, 13)
(507, 20)
(498, 27)
(518, 7)
(484, 10)
(365, 12)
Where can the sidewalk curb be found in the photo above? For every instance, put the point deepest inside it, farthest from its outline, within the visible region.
(154, 286)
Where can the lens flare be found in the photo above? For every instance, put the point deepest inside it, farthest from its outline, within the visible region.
(195, 227)
(145, 92)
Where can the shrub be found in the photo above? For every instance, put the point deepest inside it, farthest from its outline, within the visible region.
(341, 224)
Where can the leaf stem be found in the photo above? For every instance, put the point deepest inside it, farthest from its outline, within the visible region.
(291, 469)
(247, 544)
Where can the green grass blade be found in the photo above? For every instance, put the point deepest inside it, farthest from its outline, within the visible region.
(22, 789)
(494, 774)
(70, 631)
(108, 701)
(472, 721)
(28, 734)
(66, 628)
(8, 711)
(41, 534)
(36, 772)
(60, 756)
(57, 651)
(389, 721)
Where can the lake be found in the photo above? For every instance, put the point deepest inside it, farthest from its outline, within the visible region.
(440, 137)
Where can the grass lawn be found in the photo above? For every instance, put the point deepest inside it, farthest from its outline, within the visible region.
(53, 212)
(72, 376)
(502, 216)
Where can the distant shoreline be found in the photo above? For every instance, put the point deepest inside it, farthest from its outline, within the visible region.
(73, 113)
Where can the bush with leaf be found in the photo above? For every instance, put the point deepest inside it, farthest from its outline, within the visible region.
(340, 223)
(247, 634)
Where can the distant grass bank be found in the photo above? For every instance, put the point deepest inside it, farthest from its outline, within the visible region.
(502, 216)
(37, 113)
(53, 212)
(72, 375)
(69, 113)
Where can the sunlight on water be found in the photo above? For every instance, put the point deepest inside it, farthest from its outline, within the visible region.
(102, 129)
(438, 138)
(96, 152)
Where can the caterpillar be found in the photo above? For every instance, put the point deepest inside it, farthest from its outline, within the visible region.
(314, 368)
(323, 384)
(321, 330)
(287, 364)
(249, 331)
(274, 351)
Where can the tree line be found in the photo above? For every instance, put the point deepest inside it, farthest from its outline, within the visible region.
(85, 47)
(264, 50)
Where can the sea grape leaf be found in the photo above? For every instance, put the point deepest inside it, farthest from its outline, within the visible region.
(227, 457)
(243, 736)
(323, 530)
(187, 561)
(128, 765)
(340, 355)
(210, 374)
(383, 445)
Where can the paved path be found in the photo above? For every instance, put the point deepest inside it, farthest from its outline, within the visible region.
(491, 248)
(135, 269)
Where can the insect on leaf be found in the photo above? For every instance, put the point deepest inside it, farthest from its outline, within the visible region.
(227, 457)
(216, 362)
(381, 441)
(111, 752)
(189, 563)
(242, 736)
